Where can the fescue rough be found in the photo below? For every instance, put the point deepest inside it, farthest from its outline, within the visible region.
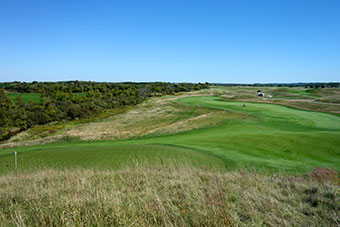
(165, 196)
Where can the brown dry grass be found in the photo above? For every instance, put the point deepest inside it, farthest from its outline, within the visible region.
(165, 196)
(149, 119)
(157, 116)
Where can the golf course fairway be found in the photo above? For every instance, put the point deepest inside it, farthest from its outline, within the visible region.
(268, 137)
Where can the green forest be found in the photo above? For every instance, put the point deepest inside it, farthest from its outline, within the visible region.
(65, 101)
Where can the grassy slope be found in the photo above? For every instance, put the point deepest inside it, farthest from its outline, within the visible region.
(165, 196)
(156, 185)
(35, 97)
(273, 137)
(266, 136)
(161, 116)
(102, 155)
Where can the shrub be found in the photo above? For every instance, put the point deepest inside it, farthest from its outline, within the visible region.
(324, 175)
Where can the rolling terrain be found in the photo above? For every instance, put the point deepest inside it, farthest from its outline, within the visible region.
(216, 157)
(266, 136)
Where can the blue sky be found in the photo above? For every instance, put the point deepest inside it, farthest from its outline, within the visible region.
(193, 41)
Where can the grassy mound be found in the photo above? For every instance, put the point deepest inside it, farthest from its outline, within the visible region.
(165, 196)
(103, 155)
(217, 133)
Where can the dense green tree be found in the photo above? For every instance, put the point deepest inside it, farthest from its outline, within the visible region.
(19, 115)
(62, 101)
(6, 115)
(6, 108)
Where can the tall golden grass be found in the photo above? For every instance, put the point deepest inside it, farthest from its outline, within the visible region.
(165, 196)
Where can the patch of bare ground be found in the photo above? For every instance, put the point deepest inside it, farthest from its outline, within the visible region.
(165, 196)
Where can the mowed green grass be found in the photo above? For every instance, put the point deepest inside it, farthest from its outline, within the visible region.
(273, 136)
(102, 155)
(35, 97)
(268, 137)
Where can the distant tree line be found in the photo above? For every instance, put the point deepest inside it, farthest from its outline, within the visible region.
(84, 86)
(74, 100)
(306, 85)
